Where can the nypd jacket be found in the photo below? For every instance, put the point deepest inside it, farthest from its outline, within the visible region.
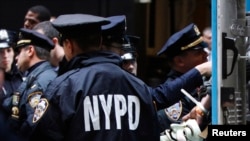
(12, 81)
(97, 100)
(30, 92)
(174, 113)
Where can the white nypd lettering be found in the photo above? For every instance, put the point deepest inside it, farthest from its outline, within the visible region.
(120, 109)
(91, 112)
(134, 103)
(129, 105)
(107, 109)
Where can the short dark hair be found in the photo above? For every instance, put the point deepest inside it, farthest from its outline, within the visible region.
(43, 12)
(48, 29)
(42, 53)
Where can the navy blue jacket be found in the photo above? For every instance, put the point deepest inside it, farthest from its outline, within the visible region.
(30, 91)
(12, 81)
(97, 100)
(174, 113)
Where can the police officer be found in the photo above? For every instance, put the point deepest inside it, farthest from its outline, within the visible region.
(129, 56)
(33, 54)
(184, 50)
(116, 41)
(113, 34)
(95, 99)
(13, 77)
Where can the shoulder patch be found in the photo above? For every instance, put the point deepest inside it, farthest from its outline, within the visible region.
(174, 111)
(34, 98)
(40, 109)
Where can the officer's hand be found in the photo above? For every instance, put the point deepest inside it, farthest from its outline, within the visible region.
(196, 113)
(205, 68)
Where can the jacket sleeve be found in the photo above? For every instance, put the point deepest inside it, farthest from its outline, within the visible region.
(169, 93)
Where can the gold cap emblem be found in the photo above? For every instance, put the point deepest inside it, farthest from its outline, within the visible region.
(196, 30)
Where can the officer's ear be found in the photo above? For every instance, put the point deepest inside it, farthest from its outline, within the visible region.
(30, 50)
(67, 46)
(70, 48)
(55, 40)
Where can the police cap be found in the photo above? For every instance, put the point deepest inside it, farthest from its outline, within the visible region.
(32, 37)
(129, 47)
(185, 39)
(8, 38)
(130, 43)
(74, 25)
(115, 31)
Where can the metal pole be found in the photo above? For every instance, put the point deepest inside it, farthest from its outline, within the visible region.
(215, 100)
(248, 5)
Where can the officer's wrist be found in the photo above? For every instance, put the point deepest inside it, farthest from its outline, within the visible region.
(201, 112)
